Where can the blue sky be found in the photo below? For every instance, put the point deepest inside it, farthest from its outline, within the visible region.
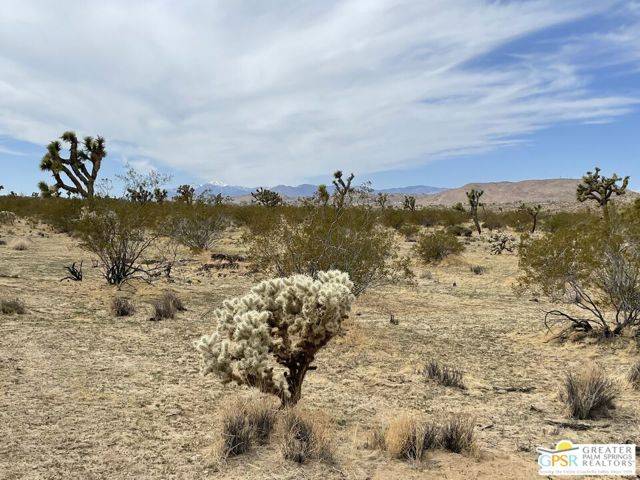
(401, 92)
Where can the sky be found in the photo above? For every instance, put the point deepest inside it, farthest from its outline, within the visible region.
(266, 92)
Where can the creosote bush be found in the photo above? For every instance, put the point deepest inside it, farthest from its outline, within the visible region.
(443, 374)
(122, 307)
(268, 338)
(120, 241)
(303, 436)
(198, 228)
(325, 238)
(434, 247)
(12, 306)
(588, 393)
(592, 267)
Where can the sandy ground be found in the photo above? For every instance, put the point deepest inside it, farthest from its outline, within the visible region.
(85, 395)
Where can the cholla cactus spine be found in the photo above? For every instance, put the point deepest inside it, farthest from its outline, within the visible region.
(268, 338)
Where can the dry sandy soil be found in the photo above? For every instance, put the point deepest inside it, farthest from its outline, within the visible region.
(85, 395)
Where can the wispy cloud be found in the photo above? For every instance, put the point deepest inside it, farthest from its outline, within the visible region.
(270, 92)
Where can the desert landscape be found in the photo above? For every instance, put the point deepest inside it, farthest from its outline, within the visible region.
(91, 395)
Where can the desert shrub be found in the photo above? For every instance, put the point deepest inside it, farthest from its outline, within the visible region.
(434, 247)
(492, 221)
(120, 241)
(122, 307)
(12, 306)
(457, 434)
(268, 338)
(478, 269)
(166, 306)
(243, 424)
(459, 231)
(408, 438)
(593, 267)
(562, 220)
(634, 375)
(199, 228)
(350, 240)
(409, 231)
(7, 218)
(443, 374)
(304, 436)
(20, 245)
(500, 243)
(588, 394)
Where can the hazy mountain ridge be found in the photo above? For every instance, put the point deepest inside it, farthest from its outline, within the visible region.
(305, 190)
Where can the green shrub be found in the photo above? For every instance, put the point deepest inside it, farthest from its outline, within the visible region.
(459, 231)
(434, 247)
(327, 238)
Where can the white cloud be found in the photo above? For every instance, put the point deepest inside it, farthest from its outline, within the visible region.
(271, 92)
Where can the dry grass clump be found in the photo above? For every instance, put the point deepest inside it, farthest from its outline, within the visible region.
(444, 375)
(409, 438)
(588, 394)
(121, 307)
(634, 375)
(457, 434)
(7, 218)
(245, 423)
(20, 245)
(478, 269)
(166, 306)
(11, 306)
(304, 436)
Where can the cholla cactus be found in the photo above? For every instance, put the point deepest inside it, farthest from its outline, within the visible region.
(268, 338)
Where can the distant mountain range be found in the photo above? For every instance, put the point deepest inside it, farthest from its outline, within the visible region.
(304, 190)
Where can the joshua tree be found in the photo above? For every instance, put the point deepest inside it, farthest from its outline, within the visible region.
(600, 188)
(474, 202)
(266, 197)
(382, 199)
(269, 338)
(160, 194)
(185, 194)
(81, 168)
(342, 189)
(533, 211)
(322, 195)
(409, 203)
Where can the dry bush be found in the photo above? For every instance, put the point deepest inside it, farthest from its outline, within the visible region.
(434, 247)
(589, 393)
(198, 228)
(410, 231)
(634, 375)
(594, 267)
(20, 245)
(7, 218)
(459, 231)
(243, 424)
(120, 241)
(11, 306)
(304, 436)
(457, 434)
(478, 269)
(409, 439)
(121, 307)
(444, 375)
(166, 306)
(500, 243)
